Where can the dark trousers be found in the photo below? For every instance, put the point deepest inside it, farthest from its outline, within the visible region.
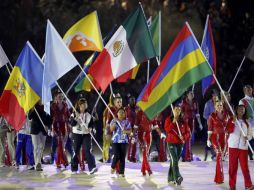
(175, 151)
(119, 152)
(77, 141)
(68, 147)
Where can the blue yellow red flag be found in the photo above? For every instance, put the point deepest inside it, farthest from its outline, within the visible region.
(23, 89)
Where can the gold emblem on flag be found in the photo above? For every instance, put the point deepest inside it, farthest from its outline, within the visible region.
(118, 48)
(20, 87)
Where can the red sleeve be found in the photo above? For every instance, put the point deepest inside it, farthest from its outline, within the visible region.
(138, 117)
(168, 126)
(230, 126)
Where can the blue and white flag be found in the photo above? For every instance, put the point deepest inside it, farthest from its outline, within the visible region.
(58, 61)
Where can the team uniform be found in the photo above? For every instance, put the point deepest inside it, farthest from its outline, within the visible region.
(189, 113)
(238, 151)
(248, 102)
(81, 136)
(144, 127)
(132, 146)
(119, 144)
(60, 129)
(217, 129)
(175, 147)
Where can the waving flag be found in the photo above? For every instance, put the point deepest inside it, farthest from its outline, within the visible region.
(57, 62)
(23, 88)
(154, 27)
(131, 44)
(183, 65)
(83, 83)
(3, 57)
(208, 49)
(85, 34)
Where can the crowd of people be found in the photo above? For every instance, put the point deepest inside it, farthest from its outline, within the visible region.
(129, 134)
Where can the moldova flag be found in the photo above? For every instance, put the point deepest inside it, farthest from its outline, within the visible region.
(208, 49)
(23, 89)
(183, 65)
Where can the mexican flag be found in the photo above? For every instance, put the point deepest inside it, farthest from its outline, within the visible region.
(130, 45)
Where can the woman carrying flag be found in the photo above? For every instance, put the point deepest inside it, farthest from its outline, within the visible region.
(177, 132)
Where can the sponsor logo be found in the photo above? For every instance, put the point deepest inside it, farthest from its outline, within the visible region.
(118, 48)
(20, 87)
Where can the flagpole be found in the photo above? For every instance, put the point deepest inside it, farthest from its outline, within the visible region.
(236, 74)
(77, 77)
(111, 88)
(223, 94)
(68, 90)
(177, 124)
(95, 105)
(148, 71)
(44, 126)
(77, 112)
(159, 36)
(8, 69)
(110, 111)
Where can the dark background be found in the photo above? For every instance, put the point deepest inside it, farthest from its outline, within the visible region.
(232, 25)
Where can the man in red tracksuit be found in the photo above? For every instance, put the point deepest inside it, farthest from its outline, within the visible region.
(216, 137)
(144, 127)
(131, 111)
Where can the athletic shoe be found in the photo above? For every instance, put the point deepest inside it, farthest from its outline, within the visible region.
(93, 170)
(179, 180)
(30, 167)
(38, 167)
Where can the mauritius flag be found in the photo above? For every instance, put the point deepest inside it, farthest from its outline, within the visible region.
(23, 89)
(208, 49)
(183, 65)
(130, 45)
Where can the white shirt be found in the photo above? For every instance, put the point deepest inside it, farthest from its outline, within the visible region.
(236, 138)
(82, 124)
(26, 128)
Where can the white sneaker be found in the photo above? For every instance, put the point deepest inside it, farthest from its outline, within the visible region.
(114, 175)
(74, 172)
(2, 165)
(30, 167)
